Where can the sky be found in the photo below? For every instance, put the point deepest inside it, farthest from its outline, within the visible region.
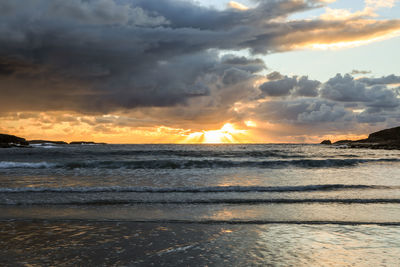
(183, 71)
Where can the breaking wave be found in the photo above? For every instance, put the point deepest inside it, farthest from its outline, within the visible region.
(211, 189)
(25, 165)
(238, 201)
(192, 164)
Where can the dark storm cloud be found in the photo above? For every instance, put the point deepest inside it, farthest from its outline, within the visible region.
(6, 69)
(302, 111)
(245, 64)
(284, 86)
(186, 14)
(97, 56)
(391, 79)
(234, 75)
(234, 69)
(274, 76)
(306, 87)
(279, 87)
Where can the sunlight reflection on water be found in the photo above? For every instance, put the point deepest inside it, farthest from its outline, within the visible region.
(124, 243)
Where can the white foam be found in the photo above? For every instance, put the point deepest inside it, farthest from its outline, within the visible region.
(30, 165)
(178, 249)
(45, 145)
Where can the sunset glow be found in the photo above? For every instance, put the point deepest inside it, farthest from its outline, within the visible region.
(227, 134)
(349, 44)
(237, 5)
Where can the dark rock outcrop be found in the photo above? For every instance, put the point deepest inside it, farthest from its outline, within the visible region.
(385, 139)
(326, 142)
(7, 140)
(342, 142)
(388, 135)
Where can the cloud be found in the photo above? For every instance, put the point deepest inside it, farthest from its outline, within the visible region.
(98, 12)
(344, 14)
(357, 72)
(371, 6)
(99, 56)
(342, 104)
(275, 75)
(368, 91)
(380, 3)
(323, 112)
(284, 86)
(366, 117)
(306, 87)
(236, 5)
(280, 87)
(301, 111)
(344, 89)
(390, 79)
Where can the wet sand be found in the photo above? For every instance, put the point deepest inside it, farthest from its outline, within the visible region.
(71, 243)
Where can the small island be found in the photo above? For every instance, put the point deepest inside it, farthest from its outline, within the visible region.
(384, 139)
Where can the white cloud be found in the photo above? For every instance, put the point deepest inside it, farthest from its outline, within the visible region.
(380, 3)
(369, 10)
(345, 14)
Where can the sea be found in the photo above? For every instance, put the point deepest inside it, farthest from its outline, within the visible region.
(199, 205)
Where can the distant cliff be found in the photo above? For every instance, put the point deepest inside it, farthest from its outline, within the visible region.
(385, 139)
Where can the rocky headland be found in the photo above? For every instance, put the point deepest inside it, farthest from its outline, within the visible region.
(385, 139)
(7, 141)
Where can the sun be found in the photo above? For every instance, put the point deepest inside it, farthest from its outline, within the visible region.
(224, 135)
(227, 134)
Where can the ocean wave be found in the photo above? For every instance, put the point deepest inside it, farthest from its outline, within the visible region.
(30, 165)
(193, 164)
(238, 201)
(201, 153)
(212, 222)
(45, 145)
(61, 150)
(210, 189)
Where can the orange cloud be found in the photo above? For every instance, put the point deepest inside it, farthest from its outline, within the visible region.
(236, 5)
(340, 34)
